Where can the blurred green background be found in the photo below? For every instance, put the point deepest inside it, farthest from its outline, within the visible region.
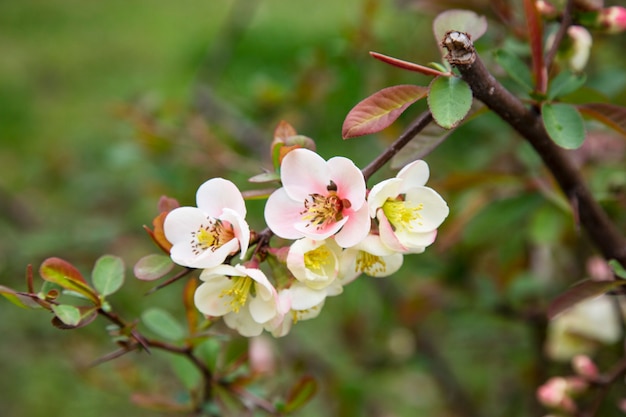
(106, 106)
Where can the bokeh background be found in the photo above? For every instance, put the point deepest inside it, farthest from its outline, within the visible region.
(106, 106)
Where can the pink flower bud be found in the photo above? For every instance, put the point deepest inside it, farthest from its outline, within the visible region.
(546, 9)
(585, 367)
(554, 394)
(581, 47)
(261, 354)
(612, 19)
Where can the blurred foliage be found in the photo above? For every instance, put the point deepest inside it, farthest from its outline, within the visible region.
(106, 106)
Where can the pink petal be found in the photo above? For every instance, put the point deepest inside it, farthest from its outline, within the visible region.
(303, 172)
(311, 231)
(216, 194)
(240, 228)
(356, 228)
(349, 180)
(282, 213)
(387, 234)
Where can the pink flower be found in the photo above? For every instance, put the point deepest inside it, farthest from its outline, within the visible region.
(204, 236)
(319, 199)
(612, 19)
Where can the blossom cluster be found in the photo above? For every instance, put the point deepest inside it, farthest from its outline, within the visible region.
(332, 227)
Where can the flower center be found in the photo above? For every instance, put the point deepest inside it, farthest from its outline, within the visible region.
(401, 215)
(322, 211)
(316, 259)
(238, 291)
(370, 264)
(211, 236)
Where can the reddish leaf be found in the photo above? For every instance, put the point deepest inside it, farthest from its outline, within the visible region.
(158, 234)
(380, 109)
(167, 204)
(63, 273)
(18, 299)
(191, 313)
(283, 131)
(581, 292)
(410, 66)
(610, 114)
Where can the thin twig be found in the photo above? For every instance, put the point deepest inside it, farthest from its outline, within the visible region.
(414, 128)
(566, 21)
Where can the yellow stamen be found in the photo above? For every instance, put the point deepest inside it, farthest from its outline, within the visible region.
(401, 215)
(316, 259)
(238, 291)
(211, 236)
(370, 264)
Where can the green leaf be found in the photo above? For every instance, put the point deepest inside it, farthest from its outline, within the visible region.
(565, 83)
(564, 124)
(108, 274)
(187, 372)
(581, 292)
(68, 314)
(460, 20)
(515, 68)
(449, 100)
(300, 394)
(152, 267)
(381, 109)
(163, 323)
(63, 273)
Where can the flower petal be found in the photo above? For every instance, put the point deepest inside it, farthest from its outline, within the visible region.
(243, 323)
(240, 228)
(208, 297)
(382, 191)
(349, 180)
(414, 174)
(216, 194)
(304, 172)
(356, 228)
(282, 213)
(180, 222)
(434, 208)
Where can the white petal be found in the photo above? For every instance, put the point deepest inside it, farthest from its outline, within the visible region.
(434, 208)
(208, 298)
(240, 228)
(414, 174)
(263, 311)
(216, 194)
(381, 192)
(243, 323)
(180, 222)
(303, 297)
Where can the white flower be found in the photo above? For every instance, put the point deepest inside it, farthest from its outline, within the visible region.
(204, 236)
(408, 213)
(243, 296)
(370, 257)
(314, 262)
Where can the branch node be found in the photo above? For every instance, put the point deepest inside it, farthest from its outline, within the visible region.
(460, 48)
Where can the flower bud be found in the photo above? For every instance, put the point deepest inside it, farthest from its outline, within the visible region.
(585, 367)
(546, 9)
(554, 394)
(612, 19)
(581, 47)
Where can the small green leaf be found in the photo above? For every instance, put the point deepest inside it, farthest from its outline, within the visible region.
(564, 124)
(381, 109)
(188, 374)
(449, 100)
(163, 323)
(152, 267)
(617, 268)
(300, 394)
(68, 314)
(63, 273)
(108, 274)
(565, 83)
(583, 291)
(515, 68)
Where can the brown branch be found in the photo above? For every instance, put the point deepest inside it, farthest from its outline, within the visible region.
(528, 123)
(414, 128)
(566, 21)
